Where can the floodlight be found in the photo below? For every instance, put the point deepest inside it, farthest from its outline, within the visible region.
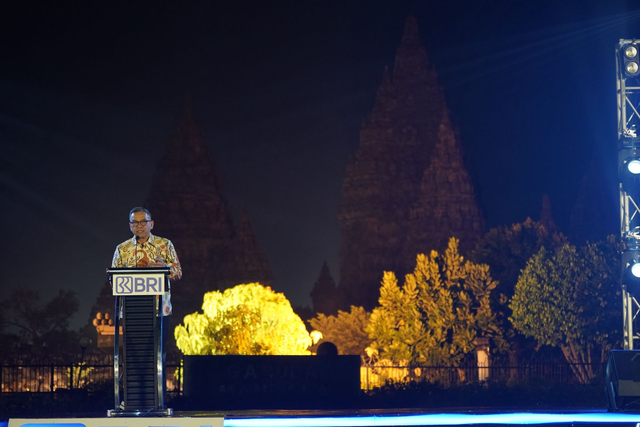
(629, 169)
(631, 52)
(630, 59)
(631, 271)
(635, 269)
(631, 261)
(633, 166)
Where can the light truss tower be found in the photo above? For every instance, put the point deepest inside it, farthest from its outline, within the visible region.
(628, 97)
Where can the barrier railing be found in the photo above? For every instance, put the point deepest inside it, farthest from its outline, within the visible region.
(17, 378)
(376, 376)
(42, 378)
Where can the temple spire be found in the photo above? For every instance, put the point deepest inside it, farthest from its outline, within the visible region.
(410, 48)
(382, 183)
(188, 140)
(324, 296)
(447, 205)
(249, 260)
(546, 215)
(189, 207)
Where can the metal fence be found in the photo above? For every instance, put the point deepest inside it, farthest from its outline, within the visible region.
(376, 376)
(18, 377)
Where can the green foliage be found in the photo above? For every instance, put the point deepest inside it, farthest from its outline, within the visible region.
(346, 330)
(435, 318)
(506, 249)
(248, 319)
(570, 298)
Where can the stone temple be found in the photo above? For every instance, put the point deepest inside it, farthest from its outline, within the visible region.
(406, 189)
(189, 207)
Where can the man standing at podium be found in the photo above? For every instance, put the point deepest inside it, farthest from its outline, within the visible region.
(146, 250)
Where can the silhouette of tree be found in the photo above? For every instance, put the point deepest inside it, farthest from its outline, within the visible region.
(39, 326)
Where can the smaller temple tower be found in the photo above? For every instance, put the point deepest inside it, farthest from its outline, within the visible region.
(325, 296)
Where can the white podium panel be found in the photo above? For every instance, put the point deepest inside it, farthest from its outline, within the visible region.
(128, 282)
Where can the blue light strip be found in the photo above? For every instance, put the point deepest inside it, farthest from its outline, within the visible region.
(36, 424)
(524, 418)
(435, 419)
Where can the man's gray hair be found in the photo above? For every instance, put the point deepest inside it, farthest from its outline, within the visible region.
(140, 209)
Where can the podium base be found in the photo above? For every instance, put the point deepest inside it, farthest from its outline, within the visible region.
(167, 412)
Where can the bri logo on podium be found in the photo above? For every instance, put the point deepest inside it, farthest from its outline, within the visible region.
(138, 285)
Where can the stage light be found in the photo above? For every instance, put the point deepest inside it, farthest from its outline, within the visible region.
(635, 269)
(631, 261)
(629, 169)
(630, 60)
(631, 136)
(633, 166)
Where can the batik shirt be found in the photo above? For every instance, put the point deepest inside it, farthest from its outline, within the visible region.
(146, 253)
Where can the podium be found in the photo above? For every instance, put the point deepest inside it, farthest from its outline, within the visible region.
(138, 368)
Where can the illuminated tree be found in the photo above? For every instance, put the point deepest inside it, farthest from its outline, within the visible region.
(247, 319)
(438, 313)
(346, 330)
(570, 298)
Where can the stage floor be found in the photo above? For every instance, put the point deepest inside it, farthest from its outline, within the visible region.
(361, 418)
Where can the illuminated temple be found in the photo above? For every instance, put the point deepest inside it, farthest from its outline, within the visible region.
(406, 189)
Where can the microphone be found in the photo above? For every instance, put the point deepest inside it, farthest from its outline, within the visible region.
(135, 253)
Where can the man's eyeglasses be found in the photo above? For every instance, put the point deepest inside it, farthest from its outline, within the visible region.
(137, 223)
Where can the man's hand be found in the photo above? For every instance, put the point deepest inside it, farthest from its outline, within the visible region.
(158, 262)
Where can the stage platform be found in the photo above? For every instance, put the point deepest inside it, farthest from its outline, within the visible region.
(363, 418)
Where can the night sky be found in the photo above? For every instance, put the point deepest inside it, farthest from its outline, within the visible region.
(90, 93)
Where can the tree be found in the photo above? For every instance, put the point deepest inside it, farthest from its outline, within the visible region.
(347, 330)
(247, 319)
(570, 298)
(42, 326)
(506, 249)
(438, 313)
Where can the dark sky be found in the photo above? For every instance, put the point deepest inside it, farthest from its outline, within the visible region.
(90, 93)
